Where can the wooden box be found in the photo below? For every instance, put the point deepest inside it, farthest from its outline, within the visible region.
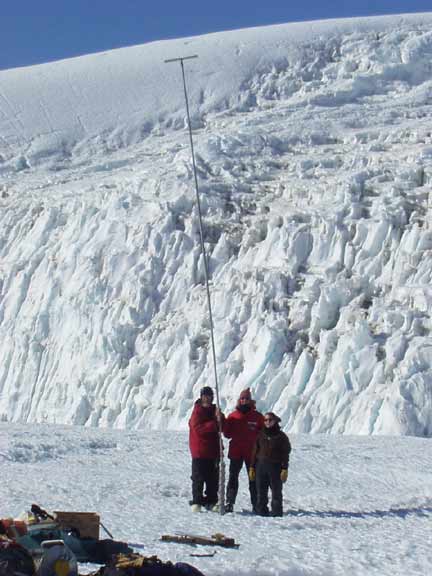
(86, 523)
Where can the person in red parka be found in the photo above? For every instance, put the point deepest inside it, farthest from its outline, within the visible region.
(204, 446)
(242, 427)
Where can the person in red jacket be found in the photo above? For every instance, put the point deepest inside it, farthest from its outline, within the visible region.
(204, 444)
(242, 427)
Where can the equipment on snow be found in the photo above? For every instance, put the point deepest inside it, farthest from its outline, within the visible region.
(215, 540)
(85, 549)
(15, 560)
(85, 524)
(209, 555)
(40, 513)
(137, 565)
(57, 560)
(106, 530)
(12, 528)
(78, 531)
(52, 544)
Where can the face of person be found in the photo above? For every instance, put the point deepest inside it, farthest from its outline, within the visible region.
(269, 421)
(244, 400)
(206, 400)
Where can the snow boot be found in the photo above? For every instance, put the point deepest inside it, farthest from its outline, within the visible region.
(196, 508)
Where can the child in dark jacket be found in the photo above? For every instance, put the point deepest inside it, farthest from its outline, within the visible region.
(269, 466)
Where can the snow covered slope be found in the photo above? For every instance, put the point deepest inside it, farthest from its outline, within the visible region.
(314, 152)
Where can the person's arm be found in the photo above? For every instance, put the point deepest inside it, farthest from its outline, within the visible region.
(260, 421)
(220, 416)
(228, 426)
(255, 452)
(203, 426)
(252, 465)
(286, 451)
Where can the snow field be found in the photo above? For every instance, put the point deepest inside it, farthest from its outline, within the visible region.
(353, 505)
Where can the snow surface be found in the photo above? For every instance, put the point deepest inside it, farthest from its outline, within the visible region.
(353, 505)
(314, 155)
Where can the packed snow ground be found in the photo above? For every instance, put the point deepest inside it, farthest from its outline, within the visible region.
(353, 505)
(314, 153)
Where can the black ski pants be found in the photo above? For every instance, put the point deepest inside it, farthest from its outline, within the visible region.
(233, 482)
(205, 472)
(268, 476)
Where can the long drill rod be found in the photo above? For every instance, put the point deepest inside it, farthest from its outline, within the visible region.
(206, 274)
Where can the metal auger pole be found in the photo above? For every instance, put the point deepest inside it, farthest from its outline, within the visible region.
(206, 274)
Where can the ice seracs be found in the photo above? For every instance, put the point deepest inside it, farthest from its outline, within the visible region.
(314, 163)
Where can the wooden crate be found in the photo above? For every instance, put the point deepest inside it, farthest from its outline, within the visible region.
(87, 523)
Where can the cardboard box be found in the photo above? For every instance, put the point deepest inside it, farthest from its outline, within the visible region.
(86, 523)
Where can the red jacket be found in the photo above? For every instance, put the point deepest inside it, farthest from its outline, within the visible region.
(243, 429)
(203, 432)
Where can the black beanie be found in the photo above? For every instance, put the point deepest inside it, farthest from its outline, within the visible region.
(206, 391)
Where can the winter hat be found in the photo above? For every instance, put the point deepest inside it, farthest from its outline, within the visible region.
(245, 394)
(273, 415)
(206, 391)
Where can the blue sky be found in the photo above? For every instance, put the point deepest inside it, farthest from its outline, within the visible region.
(35, 31)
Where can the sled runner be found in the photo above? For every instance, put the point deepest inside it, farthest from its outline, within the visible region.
(215, 540)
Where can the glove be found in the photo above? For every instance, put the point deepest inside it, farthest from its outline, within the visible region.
(252, 474)
(284, 475)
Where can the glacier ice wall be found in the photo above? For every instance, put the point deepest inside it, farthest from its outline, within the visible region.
(314, 157)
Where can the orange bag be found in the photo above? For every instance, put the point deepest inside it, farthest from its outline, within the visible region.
(13, 528)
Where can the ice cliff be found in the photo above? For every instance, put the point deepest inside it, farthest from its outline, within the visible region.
(314, 156)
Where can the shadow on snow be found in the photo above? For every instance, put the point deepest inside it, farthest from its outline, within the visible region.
(422, 511)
